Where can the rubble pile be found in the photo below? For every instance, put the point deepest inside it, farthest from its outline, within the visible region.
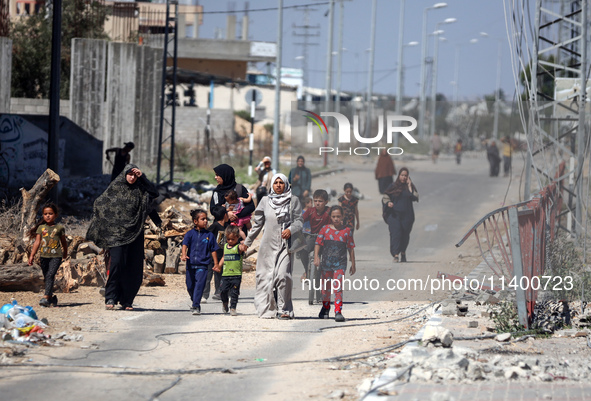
(462, 364)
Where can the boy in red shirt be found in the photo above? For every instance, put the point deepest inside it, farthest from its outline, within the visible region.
(318, 216)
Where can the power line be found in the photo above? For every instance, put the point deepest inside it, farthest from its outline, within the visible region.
(266, 9)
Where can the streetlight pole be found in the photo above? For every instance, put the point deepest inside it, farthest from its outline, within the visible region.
(371, 61)
(328, 69)
(457, 70)
(435, 60)
(497, 93)
(339, 71)
(400, 55)
(422, 94)
(277, 119)
(497, 87)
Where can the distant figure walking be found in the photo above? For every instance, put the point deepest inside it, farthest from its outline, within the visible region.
(264, 183)
(385, 171)
(458, 151)
(492, 154)
(300, 178)
(398, 213)
(122, 158)
(507, 150)
(435, 147)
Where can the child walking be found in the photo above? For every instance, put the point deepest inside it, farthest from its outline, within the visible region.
(199, 247)
(232, 270)
(49, 236)
(218, 229)
(349, 204)
(330, 253)
(236, 204)
(318, 216)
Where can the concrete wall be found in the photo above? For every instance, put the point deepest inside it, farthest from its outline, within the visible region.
(5, 74)
(77, 163)
(225, 97)
(23, 154)
(234, 69)
(191, 122)
(87, 85)
(20, 105)
(131, 77)
(147, 108)
(121, 96)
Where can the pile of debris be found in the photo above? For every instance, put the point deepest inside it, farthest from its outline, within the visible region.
(20, 324)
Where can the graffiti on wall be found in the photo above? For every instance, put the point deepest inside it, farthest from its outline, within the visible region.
(23, 151)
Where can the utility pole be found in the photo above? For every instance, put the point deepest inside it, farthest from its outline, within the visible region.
(339, 71)
(54, 93)
(372, 45)
(309, 31)
(581, 128)
(400, 65)
(328, 69)
(277, 119)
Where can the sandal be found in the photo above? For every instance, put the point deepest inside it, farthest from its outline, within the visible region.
(110, 305)
(285, 316)
(127, 307)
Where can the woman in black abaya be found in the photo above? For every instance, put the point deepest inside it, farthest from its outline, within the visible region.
(117, 225)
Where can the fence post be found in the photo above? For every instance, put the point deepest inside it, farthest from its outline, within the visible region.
(517, 267)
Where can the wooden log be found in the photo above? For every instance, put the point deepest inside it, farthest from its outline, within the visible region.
(149, 255)
(155, 245)
(21, 277)
(159, 261)
(152, 280)
(32, 200)
(88, 248)
(73, 246)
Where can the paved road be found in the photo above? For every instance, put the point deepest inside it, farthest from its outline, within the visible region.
(140, 356)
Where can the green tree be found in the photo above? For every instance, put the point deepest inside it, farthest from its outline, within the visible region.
(545, 81)
(31, 41)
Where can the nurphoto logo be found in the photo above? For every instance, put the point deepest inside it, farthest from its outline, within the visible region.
(393, 127)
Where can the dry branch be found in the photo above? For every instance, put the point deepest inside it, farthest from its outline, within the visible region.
(32, 200)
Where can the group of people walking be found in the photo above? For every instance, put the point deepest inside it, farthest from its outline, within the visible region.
(494, 159)
(216, 251)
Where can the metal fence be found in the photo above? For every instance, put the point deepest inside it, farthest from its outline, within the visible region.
(513, 242)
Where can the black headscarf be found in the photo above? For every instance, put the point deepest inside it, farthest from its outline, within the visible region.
(119, 213)
(396, 188)
(227, 174)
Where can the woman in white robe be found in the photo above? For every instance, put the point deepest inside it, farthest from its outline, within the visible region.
(281, 215)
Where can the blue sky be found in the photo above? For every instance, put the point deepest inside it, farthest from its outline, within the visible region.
(477, 67)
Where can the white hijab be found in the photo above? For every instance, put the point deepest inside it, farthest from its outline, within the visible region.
(280, 202)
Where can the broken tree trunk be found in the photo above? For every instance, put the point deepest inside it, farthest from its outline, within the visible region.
(88, 248)
(32, 200)
(21, 277)
(159, 261)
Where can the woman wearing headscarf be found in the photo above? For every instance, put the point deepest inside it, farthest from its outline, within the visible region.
(117, 225)
(385, 171)
(281, 214)
(398, 213)
(226, 179)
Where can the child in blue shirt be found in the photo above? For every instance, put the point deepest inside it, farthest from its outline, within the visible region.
(199, 247)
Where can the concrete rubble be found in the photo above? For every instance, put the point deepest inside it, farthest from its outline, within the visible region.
(460, 351)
